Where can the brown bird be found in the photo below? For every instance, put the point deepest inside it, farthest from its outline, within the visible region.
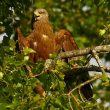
(41, 39)
(44, 41)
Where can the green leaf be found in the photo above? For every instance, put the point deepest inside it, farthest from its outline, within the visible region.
(3, 106)
(12, 44)
(102, 32)
(1, 75)
(28, 50)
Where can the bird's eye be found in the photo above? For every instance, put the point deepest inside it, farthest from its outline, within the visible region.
(41, 12)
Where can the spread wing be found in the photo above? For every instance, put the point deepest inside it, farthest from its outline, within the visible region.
(22, 41)
(66, 42)
(26, 42)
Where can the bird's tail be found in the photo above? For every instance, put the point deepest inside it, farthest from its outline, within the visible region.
(87, 92)
(73, 78)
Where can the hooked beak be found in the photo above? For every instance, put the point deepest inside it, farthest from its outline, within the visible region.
(36, 15)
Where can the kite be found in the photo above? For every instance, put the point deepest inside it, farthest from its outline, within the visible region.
(44, 41)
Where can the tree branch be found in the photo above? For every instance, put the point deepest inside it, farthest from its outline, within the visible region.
(80, 69)
(87, 82)
(85, 51)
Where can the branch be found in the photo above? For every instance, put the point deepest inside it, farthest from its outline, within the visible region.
(87, 82)
(94, 54)
(77, 70)
(97, 69)
(85, 51)
(80, 69)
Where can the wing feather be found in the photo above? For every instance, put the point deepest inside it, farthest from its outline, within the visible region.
(65, 41)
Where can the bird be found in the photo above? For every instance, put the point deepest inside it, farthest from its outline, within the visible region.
(44, 41)
(41, 40)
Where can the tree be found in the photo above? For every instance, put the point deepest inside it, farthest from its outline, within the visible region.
(87, 20)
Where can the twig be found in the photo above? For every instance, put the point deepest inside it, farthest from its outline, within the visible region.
(69, 99)
(31, 75)
(82, 98)
(88, 81)
(35, 75)
(94, 53)
(48, 66)
(77, 102)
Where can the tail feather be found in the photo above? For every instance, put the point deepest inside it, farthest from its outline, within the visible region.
(87, 91)
(73, 79)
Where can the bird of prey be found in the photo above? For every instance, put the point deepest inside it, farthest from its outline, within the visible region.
(41, 39)
(44, 41)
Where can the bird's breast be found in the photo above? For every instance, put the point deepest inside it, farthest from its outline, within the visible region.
(44, 45)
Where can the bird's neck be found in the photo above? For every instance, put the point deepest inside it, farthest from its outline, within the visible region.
(43, 27)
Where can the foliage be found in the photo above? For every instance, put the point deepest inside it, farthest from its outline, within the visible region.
(87, 20)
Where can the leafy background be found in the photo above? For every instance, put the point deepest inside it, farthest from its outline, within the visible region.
(87, 20)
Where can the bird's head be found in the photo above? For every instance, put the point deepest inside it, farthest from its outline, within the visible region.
(40, 14)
